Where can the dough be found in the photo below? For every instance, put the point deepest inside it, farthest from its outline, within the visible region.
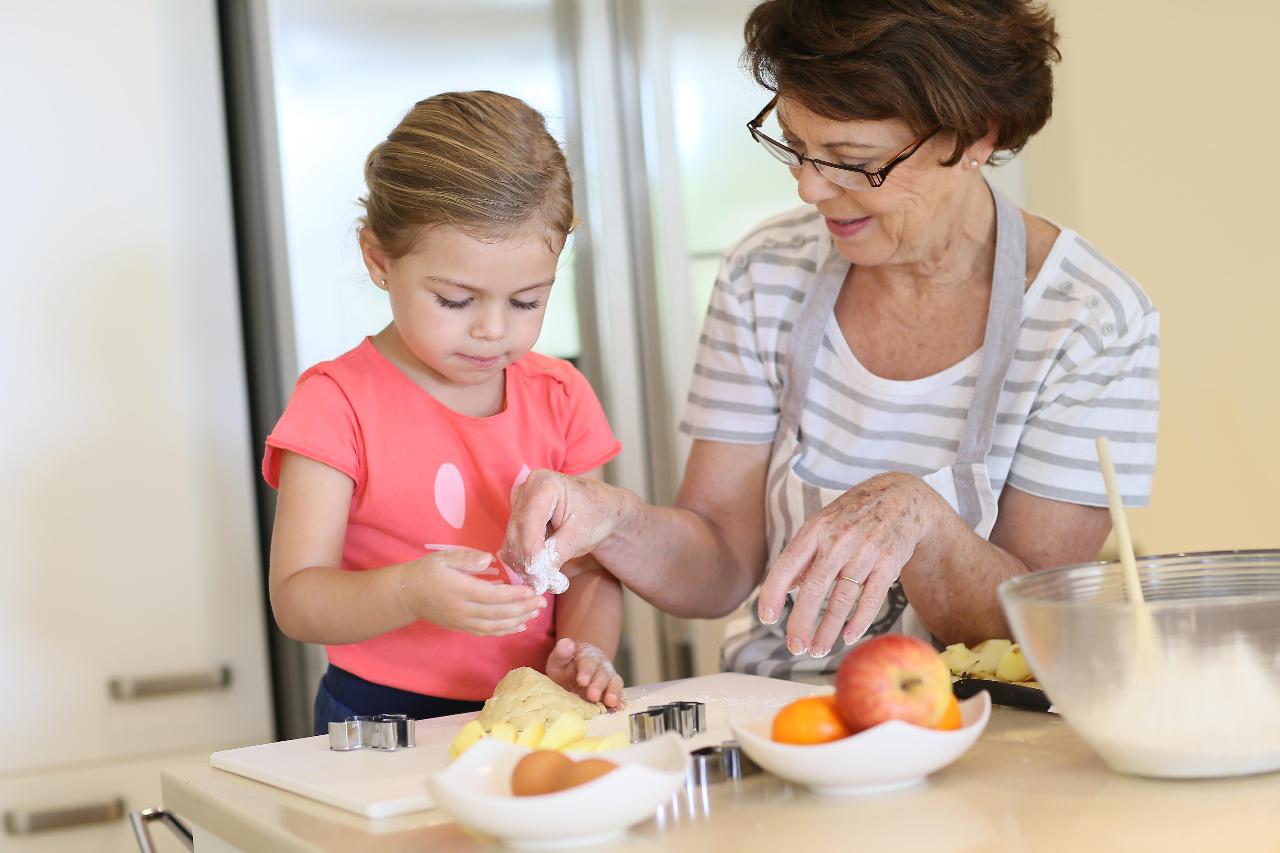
(525, 696)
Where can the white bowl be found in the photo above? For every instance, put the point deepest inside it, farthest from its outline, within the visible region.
(1204, 703)
(476, 791)
(887, 757)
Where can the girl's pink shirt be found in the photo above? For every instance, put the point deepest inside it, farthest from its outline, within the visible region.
(428, 478)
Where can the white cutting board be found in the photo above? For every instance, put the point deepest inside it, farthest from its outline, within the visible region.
(381, 784)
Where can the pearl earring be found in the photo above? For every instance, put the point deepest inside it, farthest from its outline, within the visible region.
(973, 164)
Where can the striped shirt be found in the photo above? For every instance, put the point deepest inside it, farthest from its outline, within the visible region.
(1086, 365)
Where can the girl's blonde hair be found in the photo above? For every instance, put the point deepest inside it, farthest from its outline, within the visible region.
(482, 162)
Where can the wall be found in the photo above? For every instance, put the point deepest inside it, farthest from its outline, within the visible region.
(1162, 152)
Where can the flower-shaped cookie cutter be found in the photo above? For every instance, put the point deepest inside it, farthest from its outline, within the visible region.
(684, 718)
(387, 732)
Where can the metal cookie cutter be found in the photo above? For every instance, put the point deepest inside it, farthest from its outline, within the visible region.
(387, 732)
(713, 764)
(685, 718)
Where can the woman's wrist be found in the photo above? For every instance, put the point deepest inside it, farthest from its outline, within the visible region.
(625, 515)
(938, 526)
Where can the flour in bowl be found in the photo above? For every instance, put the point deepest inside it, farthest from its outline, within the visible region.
(1189, 712)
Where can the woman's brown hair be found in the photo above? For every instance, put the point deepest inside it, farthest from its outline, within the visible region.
(965, 66)
(482, 162)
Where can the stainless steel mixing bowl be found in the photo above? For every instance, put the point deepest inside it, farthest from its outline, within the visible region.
(1206, 703)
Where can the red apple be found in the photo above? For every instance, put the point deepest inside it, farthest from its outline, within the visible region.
(892, 677)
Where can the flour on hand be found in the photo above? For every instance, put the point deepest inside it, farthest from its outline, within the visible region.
(544, 572)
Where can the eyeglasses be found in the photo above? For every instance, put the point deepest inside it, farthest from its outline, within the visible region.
(841, 174)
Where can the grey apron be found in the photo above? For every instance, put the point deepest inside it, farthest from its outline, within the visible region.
(760, 649)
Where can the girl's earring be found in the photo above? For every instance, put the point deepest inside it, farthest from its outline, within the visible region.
(973, 164)
(383, 282)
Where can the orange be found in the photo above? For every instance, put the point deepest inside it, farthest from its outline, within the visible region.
(809, 721)
(951, 719)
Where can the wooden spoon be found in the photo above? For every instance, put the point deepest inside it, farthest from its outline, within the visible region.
(1143, 622)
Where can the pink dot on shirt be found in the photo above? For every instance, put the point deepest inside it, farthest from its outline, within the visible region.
(451, 495)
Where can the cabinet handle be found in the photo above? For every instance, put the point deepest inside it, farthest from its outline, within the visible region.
(146, 687)
(31, 822)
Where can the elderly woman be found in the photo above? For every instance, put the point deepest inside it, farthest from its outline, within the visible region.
(899, 385)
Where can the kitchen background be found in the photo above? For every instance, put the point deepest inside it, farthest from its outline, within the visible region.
(178, 244)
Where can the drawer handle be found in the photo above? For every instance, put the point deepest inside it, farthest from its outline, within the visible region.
(146, 687)
(31, 822)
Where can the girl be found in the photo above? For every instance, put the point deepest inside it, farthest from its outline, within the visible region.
(395, 462)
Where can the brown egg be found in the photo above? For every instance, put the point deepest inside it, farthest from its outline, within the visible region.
(587, 770)
(539, 772)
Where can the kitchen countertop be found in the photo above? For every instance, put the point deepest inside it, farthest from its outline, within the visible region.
(1028, 784)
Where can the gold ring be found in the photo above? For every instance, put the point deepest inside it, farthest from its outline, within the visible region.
(850, 580)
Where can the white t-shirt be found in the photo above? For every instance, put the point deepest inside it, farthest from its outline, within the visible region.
(1086, 365)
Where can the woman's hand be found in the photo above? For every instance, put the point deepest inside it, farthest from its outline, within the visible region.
(854, 549)
(583, 669)
(442, 588)
(578, 512)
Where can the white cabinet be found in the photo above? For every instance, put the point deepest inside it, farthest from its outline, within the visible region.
(85, 809)
(127, 531)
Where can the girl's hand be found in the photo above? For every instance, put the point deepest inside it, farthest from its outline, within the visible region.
(579, 512)
(583, 669)
(854, 549)
(442, 588)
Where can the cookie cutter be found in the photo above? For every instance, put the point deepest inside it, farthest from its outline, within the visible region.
(726, 762)
(684, 718)
(387, 732)
(708, 766)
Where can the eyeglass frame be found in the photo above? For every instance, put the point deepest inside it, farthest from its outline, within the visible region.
(875, 178)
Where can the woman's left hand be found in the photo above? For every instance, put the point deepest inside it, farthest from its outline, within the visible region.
(586, 670)
(853, 549)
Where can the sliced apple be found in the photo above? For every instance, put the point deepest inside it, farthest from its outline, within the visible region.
(989, 653)
(567, 728)
(586, 744)
(959, 658)
(617, 740)
(504, 732)
(467, 738)
(532, 736)
(1013, 665)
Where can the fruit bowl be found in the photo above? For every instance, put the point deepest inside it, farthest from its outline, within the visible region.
(888, 757)
(476, 791)
(1205, 702)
